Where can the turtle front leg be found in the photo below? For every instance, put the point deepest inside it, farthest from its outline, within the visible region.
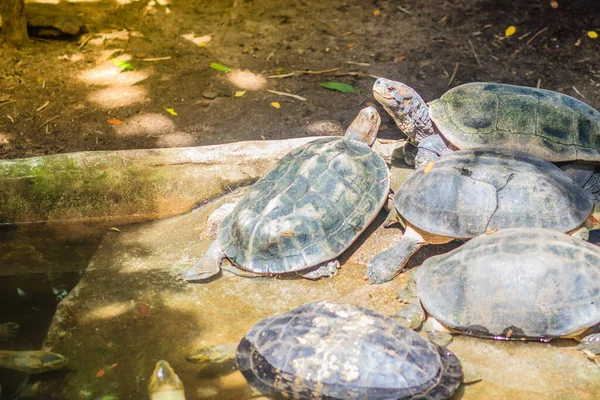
(388, 263)
(328, 269)
(585, 175)
(208, 266)
(430, 148)
(590, 343)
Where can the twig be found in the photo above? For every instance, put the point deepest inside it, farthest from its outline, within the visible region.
(453, 74)
(404, 10)
(295, 96)
(362, 64)
(87, 39)
(536, 35)
(578, 92)
(296, 73)
(356, 73)
(157, 58)
(47, 122)
(40, 108)
(6, 102)
(475, 54)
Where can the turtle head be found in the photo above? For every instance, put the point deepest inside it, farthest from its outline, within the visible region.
(164, 380)
(406, 107)
(365, 126)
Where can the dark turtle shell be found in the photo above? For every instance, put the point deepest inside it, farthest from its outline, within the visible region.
(514, 283)
(551, 125)
(308, 209)
(339, 351)
(470, 192)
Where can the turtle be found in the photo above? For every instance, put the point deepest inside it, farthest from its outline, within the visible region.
(28, 361)
(306, 211)
(551, 125)
(512, 284)
(164, 383)
(332, 350)
(470, 192)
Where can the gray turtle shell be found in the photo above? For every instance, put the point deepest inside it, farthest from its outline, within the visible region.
(308, 209)
(551, 125)
(339, 351)
(470, 192)
(515, 283)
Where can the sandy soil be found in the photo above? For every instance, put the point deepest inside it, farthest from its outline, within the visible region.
(74, 94)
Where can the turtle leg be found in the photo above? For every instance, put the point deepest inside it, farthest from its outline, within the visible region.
(590, 343)
(32, 361)
(409, 151)
(328, 269)
(586, 175)
(429, 149)
(411, 315)
(436, 332)
(208, 265)
(388, 263)
(409, 293)
(582, 233)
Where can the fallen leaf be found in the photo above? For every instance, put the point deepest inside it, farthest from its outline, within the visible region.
(510, 31)
(275, 104)
(114, 229)
(114, 365)
(240, 93)
(376, 12)
(220, 67)
(100, 373)
(592, 35)
(350, 45)
(578, 42)
(144, 310)
(124, 65)
(399, 58)
(428, 167)
(340, 87)
(114, 121)
(288, 234)
(171, 111)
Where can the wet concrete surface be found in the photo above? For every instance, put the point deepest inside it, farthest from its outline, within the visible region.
(128, 311)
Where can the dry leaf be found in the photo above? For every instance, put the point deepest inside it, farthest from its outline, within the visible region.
(288, 234)
(554, 4)
(592, 35)
(350, 45)
(100, 373)
(114, 229)
(171, 111)
(428, 167)
(240, 93)
(144, 310)
(376, 12)
(114, 121)
(275, 104)
(510, 31)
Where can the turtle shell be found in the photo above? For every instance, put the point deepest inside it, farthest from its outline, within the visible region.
(551, 125)
(470, 192)
(514, 283)
(339, 351)
(308, 209)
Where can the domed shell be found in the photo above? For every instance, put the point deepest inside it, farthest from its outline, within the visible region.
(514, 283)
(340, 351)
(551, 125)
(308, 209)
(470, 192)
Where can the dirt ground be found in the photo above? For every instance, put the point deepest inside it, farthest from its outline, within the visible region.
(77, 94)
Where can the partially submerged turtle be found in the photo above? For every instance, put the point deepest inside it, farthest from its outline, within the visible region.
(306, 211)
(28, 361)
(551, 125)
(339, 351)
(164, 383)
(470, 192)
(513, 284)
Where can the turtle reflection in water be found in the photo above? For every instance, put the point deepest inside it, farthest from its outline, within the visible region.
(306, 211)
(338, 351)
(520, 283)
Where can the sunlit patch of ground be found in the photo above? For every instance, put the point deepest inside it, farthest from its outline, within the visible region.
(176, 139)
(247, 80)
(321, 128)
(109, 311)
(146, 124)
(118, 96)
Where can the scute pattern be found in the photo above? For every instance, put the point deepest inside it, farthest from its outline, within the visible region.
(470, 192)
(339, 351)
(308, 209)
(520, 283)
(551, 125)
